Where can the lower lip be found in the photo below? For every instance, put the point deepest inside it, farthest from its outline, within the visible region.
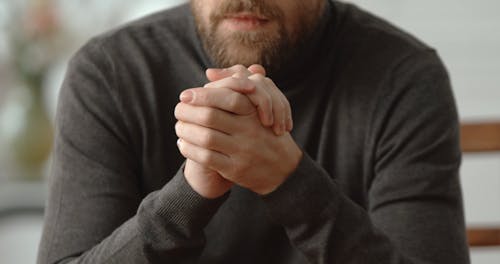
(244, 23)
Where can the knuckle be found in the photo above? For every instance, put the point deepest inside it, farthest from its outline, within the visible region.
(177, 111)
(270, 82)
(281, 104)
(239, 68)
(201, 97)
(237, 80)
(280, 107)
(286, 104)
(244, 82)
(288, 112)
(258, 77)
(208, 117)
(183, 150)
(206, 158)
(207, 139)
(240, 104)
(238, 76)
(267, 101)
(177, 128)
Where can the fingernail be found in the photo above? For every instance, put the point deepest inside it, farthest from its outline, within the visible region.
(239, 75)
(179, 141)
(186, 96)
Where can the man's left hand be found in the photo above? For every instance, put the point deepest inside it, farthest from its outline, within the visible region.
(238, 147)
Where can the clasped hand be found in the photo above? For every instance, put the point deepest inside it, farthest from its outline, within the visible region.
(235, 130)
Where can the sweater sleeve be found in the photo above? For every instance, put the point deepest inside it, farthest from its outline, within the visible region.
(96, 212)
(415, 212)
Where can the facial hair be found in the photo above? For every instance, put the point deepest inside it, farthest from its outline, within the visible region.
(272, 49)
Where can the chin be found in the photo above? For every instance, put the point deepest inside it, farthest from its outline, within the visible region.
(235, 52)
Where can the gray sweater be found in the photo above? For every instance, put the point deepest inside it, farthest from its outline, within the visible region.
(373, 112)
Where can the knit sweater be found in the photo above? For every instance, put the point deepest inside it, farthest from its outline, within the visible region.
(373, 112)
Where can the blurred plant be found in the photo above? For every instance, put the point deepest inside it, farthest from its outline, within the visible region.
(34, 46)
(35, 41)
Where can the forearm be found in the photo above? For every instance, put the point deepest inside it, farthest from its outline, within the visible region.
(330, 228)
(167, 227)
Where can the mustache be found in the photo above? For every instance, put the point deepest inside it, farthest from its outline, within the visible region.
(258, 7)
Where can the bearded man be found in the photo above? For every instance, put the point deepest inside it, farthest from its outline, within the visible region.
(366, 171)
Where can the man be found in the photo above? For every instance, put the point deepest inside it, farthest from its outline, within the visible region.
(366, 172)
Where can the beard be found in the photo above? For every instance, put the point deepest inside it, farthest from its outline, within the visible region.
(270, 48)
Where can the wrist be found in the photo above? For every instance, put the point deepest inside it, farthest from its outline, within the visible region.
(293, 157)
(207, 183)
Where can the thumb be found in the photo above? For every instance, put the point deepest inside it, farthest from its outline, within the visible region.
(214, 74)
(257, 68)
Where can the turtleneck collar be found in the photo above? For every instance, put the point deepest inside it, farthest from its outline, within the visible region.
(308, 54)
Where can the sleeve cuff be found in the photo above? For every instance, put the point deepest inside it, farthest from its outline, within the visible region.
(307, 194)
(178, 203)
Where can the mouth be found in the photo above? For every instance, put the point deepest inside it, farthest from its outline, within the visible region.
(245, 21)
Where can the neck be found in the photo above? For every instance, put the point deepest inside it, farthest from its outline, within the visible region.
(306, 52)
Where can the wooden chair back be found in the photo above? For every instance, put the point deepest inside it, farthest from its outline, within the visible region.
(481, 138)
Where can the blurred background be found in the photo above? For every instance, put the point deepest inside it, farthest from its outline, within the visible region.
(37, 37)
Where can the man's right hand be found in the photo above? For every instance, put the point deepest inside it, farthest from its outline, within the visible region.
(235, 92)
(205, 182)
